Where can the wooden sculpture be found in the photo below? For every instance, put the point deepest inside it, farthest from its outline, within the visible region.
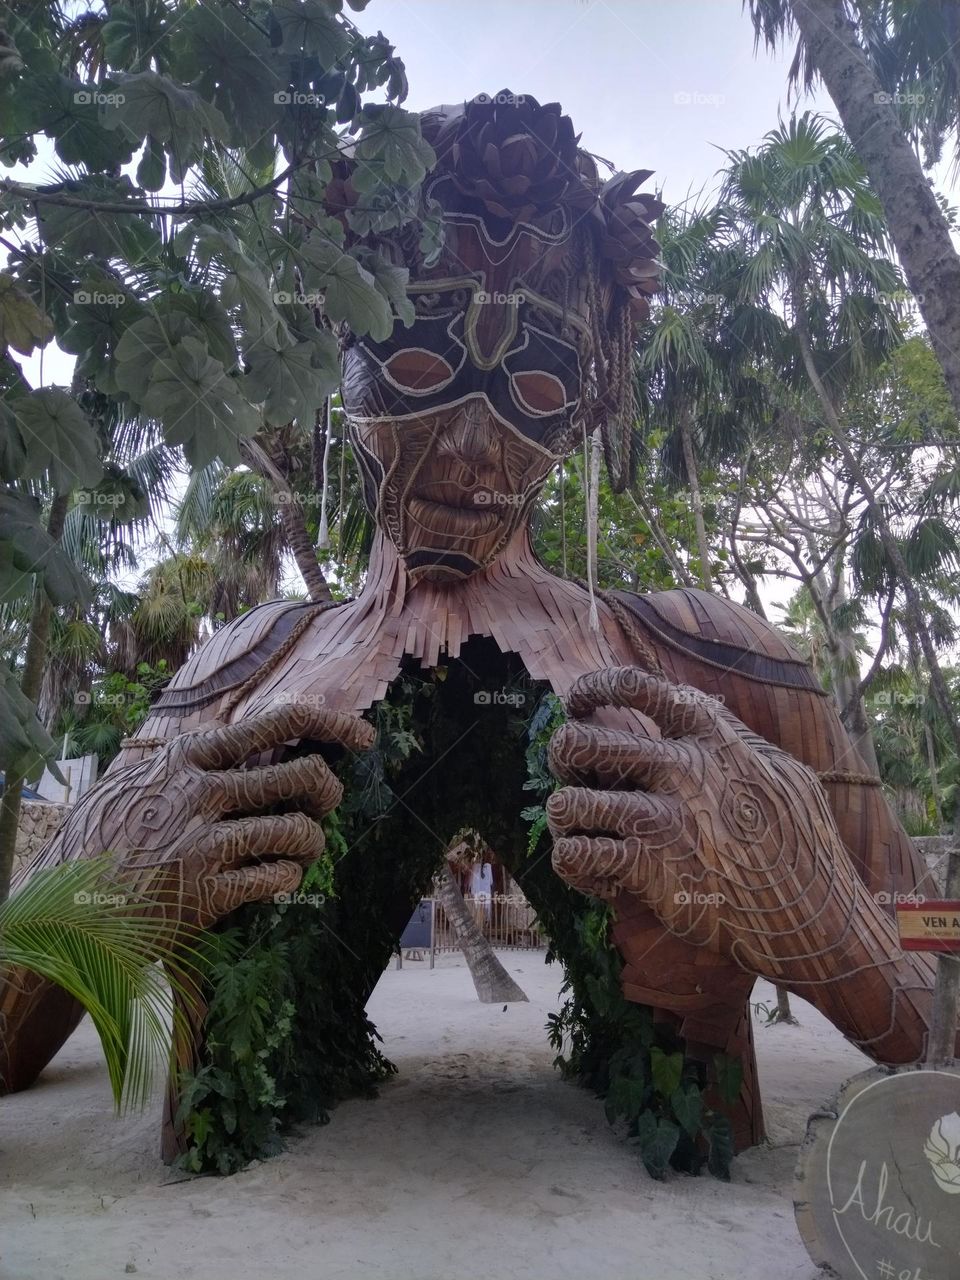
(733, 840)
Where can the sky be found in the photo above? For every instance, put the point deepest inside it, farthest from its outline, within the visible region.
(651, 84)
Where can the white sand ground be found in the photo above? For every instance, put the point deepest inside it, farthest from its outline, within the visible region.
(476, 1163)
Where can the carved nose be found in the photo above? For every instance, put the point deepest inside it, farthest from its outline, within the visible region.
(471, 435)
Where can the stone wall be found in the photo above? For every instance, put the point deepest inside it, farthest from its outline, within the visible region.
(39, 820)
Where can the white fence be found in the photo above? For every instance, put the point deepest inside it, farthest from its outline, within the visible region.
(504, 919)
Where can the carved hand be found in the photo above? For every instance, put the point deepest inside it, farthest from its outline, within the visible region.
(181, 822)
(727, 838)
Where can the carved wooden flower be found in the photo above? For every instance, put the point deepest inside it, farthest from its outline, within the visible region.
(518, 158)
(627, 241)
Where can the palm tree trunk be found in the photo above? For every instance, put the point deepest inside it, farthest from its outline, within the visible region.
(31, 680)
(291, 517)
(917, 225)
(494, 985)
(693, 479)
(932, 768)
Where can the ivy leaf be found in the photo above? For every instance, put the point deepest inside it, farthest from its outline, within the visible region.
(688, 1108)
(390, 148)
(658, 1140)
(199, 405)
(667, 1069)
(23, 325)
(58, 438)
(289, 382)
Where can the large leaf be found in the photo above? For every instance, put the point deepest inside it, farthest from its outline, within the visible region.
(350, 292)
(58, 438)
(667, 1069)
(309, 26)
(149, 103)
(147, 345)
(658, 1140)
(26, 548)
(23, 325)
(24, 743)
(199, 405)
(390, 149)
(391, 281)
(289, 382)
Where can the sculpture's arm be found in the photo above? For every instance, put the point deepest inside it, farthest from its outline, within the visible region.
(187, 825)
(731, 842)
(732, 654)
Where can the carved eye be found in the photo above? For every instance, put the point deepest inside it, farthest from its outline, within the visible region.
(540, 392)
(417, 369)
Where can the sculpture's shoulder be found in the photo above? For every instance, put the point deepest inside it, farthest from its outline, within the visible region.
(231, 656)
(690, 629)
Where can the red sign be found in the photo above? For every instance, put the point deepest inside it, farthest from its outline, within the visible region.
(933, 925)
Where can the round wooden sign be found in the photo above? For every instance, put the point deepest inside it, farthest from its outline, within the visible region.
(877, 1190)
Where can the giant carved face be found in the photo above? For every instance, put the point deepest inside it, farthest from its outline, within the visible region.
(458, 418)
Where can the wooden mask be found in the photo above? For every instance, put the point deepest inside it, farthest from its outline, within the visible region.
(521, 337)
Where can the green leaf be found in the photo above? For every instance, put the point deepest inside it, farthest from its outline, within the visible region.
(729, 1074)
(149, 103)
(392, 282)
(307, 25)
(658, 1140)
(688, 1108)
(350, 293)
(390, 148)
(289, 382)
(147, 344)
(667, 1069)
(199, 405)
(23, 325)
(721, 1152)
(58, 438)
(152, 169)
(26, 548)
(24, 743)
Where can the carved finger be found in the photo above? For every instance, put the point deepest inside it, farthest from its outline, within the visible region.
(227, 845)
(231, 744)
(231, 889)
(309, 781)
(602, 866)
(595, 756)
(678, 710)
(580, 811)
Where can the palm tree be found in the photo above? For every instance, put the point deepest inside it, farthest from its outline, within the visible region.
(896, 44)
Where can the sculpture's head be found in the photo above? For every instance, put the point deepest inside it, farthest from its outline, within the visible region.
(520, 339)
